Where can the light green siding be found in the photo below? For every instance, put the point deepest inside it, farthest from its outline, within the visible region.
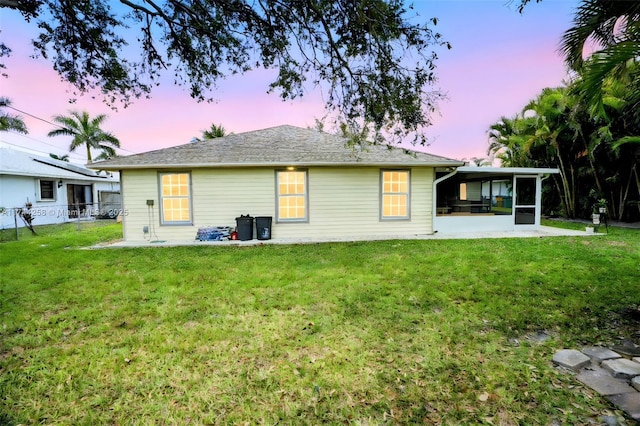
(343, 202)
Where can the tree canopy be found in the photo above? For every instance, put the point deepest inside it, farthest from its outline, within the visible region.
(558, 129)
(373, 59)
(603, 47)
(590, 129)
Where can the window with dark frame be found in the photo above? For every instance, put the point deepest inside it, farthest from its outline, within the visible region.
(47, 190)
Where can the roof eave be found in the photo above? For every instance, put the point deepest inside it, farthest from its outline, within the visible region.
(509, 170)
(57, 176)
(116, 167)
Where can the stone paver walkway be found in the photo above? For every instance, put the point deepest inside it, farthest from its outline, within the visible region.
(613, 373)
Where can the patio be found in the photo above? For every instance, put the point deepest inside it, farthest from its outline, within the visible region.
(542, 232)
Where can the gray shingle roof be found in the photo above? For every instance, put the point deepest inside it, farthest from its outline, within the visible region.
(275, 146)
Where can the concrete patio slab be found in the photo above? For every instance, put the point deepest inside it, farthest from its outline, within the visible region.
(543, 232)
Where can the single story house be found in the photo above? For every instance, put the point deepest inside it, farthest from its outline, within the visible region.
(313, 184)
(58, 191)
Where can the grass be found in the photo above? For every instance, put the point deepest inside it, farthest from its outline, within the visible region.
(435, 331)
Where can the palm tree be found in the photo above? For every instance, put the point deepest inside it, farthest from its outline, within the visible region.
(10, 122)
(554, 135)
(506, 140)
(613, 27)
(86, 132)
(215, 131)
(542, 135)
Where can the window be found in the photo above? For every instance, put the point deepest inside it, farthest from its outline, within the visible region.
(470, 190)
(463, 191)
(175, 198)
(395, 194)
(47, 191)
(291, 189)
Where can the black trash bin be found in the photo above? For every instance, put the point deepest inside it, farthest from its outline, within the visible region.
(244, 227)
(263, 227)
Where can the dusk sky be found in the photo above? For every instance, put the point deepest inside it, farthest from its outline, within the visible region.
(499, 61)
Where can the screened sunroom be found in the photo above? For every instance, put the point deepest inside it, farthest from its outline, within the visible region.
(470, 199)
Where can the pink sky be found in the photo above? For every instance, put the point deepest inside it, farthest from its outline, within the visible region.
(499, 61)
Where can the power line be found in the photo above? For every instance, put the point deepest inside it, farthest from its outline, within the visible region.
(44, 143)
(53, 124)
(33, 116)
(38, 152)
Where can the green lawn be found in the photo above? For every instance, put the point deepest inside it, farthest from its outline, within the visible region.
(433, 331)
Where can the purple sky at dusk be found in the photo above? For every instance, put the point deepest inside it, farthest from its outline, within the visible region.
(499, 61)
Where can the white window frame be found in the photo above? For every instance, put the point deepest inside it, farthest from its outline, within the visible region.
(161, 198)
(536, 206)
(304, 219)
(54, 189)
(407, 194)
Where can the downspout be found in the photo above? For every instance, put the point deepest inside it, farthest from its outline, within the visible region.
(435, 195)
(123, 210)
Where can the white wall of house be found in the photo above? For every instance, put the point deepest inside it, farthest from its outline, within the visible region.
(447, 224)
(342, 202)
(16, 190)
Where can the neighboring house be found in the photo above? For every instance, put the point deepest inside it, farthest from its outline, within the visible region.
(313, 184)
(58, 191)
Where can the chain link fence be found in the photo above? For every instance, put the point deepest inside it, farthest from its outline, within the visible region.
(16, 221)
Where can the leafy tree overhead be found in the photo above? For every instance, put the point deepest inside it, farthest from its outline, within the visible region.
(10, 122)
(86, 132)
(372, 58)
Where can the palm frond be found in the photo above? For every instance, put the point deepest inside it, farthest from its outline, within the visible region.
(108, 138)
(10, 122)
(609, 63)
(599, 22)
(61, 132)
(625, 140)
